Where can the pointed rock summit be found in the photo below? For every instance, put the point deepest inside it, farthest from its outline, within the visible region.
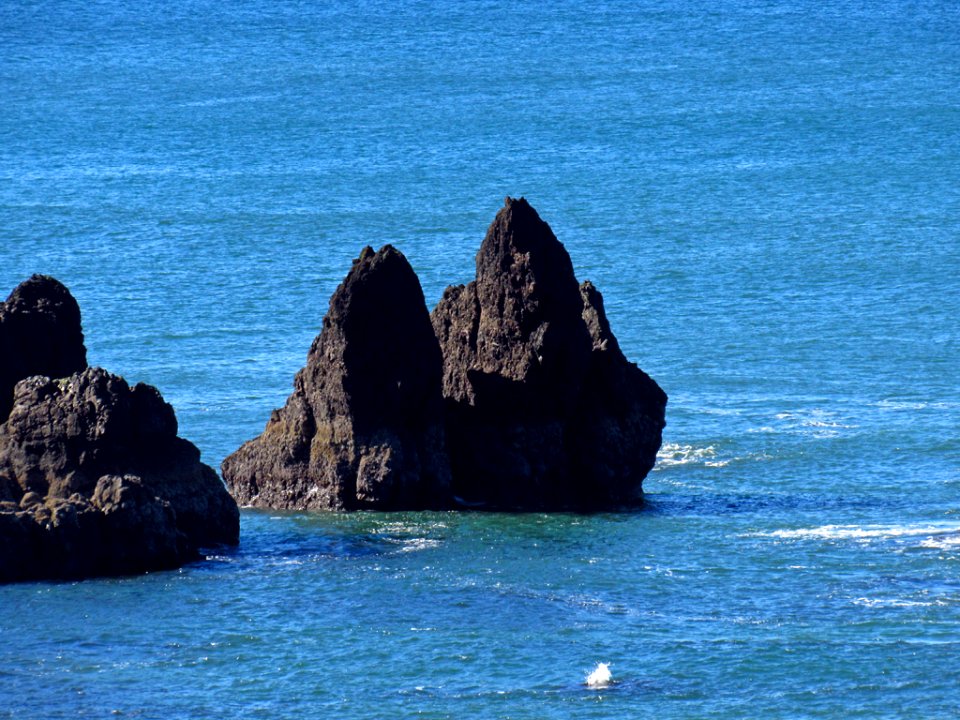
(93, 478)
(543, 411)
(364, 425)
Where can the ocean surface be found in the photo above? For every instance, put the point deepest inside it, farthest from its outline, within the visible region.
(768, 195)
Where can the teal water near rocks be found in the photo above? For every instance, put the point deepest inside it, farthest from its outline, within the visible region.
(767, 194)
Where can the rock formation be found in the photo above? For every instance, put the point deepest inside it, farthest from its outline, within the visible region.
(93, 478)
(364, 425)
(543, 410)
(513, 394)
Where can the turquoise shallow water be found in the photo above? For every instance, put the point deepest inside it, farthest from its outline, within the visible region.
(767, 194)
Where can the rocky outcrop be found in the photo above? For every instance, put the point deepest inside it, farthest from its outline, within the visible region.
(364, 425)
(93, 478)
(542, 409)
(513, 394)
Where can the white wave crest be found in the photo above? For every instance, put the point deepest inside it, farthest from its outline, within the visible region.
(942, 542)
(417, 544)
(815, 422)
(672, 454)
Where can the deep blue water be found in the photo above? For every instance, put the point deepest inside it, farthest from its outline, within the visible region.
(767, 194)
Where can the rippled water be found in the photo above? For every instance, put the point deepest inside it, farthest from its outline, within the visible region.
(767, 194)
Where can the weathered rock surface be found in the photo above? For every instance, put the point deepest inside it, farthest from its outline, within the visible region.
(93, 478)
(543, 410)
(364, 425)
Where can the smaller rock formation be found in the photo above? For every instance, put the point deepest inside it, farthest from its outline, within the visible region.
(93, 478)
(543, 410)
(364, 425)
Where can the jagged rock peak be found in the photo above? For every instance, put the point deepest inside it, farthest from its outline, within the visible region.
(530, 363)
(363, 427)
(525, 278)
(595, 318)
(517, 327)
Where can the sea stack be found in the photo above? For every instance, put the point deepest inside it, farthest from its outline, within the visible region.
(363, 428)
(543, 411)
(93, 478)
(513, 395)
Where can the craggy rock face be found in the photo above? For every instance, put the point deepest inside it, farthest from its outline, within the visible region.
(40, 334)
(617, 427)
(93, 478)
(97, 481)
(543, 410)
(513, 336)
(364, 425)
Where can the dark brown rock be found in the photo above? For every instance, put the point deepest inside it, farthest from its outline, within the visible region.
(104, 484)
(543, 410)
(364, 425)
(616, 431)
(93, 478)
(40, 334)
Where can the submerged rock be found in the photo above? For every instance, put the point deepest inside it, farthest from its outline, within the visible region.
(93, 478)
(364, 425)
(542, 409)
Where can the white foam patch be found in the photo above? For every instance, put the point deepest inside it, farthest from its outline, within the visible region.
(815, 422)
(894, 602)
(600, 676)
(942, 542)
(873, 532)
(417, 544)
(672, 454)
(897, 405)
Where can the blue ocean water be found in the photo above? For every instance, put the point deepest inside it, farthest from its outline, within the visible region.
(766, 192)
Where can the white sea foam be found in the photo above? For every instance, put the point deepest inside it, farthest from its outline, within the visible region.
(815, 422)
(671, 454)
(929, 531)
(942, 542)
(914, 405)
(894, 602)
(600, 676)
(416, 544)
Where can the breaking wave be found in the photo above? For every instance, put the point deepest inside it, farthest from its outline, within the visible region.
(673, 454)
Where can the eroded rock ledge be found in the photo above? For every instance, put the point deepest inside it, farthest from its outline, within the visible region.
(513, 394)
(93, 478)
